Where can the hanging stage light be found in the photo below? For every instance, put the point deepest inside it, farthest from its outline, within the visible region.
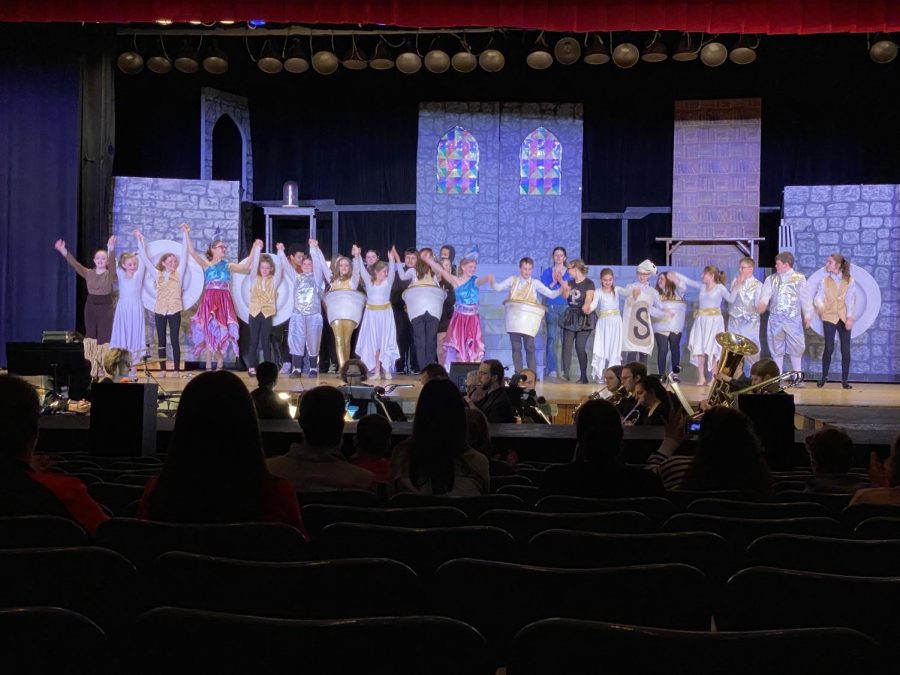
(382, 59)
(408, 60)
(883, 49)
(296, 59)
(186, 61)
(130, 62)
(685, 50)
(539, 57)
(355, 59)
(744, 51)
(597, 53)
(216, 60)
(491, 60)
(437, 60)
(269, 62)
(713, 54)
(626, 55)
(567, 51)
(655, 51)
(464, 60)
(324, 62)
(158, 61)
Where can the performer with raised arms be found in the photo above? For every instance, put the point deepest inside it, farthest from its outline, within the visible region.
(787, 297)
(743, 315)
(377, 342)
(525, 289)
(835, 301)
(708, 322)
(607, 351)
(263, 305)
(305, 327)
(464, 340)
(424, 316)
(343, 277)
(129, 330)
(168, 287)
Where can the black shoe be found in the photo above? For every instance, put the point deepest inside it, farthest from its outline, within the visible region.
(846, 385)
(583, 380)
(821, 382)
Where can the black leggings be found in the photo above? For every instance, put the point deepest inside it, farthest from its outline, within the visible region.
(844, 334)
(665, 343)
(173, 321)
(260, 335)
(580, 338)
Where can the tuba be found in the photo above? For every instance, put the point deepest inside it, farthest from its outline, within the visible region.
(734, 348)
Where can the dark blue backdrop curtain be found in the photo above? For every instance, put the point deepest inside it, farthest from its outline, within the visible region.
(39, 162)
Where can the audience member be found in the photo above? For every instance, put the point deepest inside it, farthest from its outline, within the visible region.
(491, 396)
(317, 464)
(598, 469)
(654, 404)
(433, 371)
(830, 456)
(884, 477)
(673, 459)
(362, 397)
(117, 364)
(436, 458)
(478, 433)
(23, 490)
(268, 405)
(372, 445)
(215, 471)
(729, 455)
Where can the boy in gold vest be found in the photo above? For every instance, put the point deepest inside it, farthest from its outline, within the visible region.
(835, 301)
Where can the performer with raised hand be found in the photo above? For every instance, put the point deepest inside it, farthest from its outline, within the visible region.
(578, 320)
(708, 321)
(214, 328)
(424, 319)
(377, 341)
(129, 330)
(262, 305)
(524, 288)
(607, 351)
(343, 277)
(305, 328)
(787, 297)
(168, 287)
(98, 306)
(835, 301)
(464, 340)
(743, 315)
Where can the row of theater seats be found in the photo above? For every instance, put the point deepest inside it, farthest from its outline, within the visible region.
(473, 574)
(167, 640)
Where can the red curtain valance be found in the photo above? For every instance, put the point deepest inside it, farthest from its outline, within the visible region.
(712, 16)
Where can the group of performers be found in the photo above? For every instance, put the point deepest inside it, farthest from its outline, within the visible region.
(438, 309)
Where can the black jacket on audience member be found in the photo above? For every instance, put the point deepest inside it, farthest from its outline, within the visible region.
(497, 407)
(269, 406)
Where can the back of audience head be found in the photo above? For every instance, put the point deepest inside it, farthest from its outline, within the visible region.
(215, 469)
(20, 410)
(830, 451)
(321, 416)
(267, 374)
(438, 435)
(632, 373)
(373, 436)
(433, 371)
(117, 362)
(478, 432)
(598, 431)
(354, 371)
(729, 455)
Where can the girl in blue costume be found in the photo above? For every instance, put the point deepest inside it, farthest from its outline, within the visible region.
(464, 340)
(215, 325)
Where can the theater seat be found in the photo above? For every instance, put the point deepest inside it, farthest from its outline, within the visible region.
(741, 531)
(471, 506)
(318, 516)
(878, 528)
(573, 647)
(39, 531)
(656, 509)
(733, 508)
(523, 525)
(181, 640)
(876, 558)
(363, 498)
(854, 515)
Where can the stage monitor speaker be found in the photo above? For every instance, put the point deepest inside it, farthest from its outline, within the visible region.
(773, 421)
(459, 370)
(61, 363)
(123, 419)
(61, 336)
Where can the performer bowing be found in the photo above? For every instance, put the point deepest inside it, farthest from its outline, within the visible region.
(423, 301)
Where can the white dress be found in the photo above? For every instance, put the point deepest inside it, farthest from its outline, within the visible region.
(129, 328)
(708, 324)
(607, 350)
(378, 332)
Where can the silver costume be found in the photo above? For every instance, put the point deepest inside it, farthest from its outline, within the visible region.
(789, 301)
(305, 326)
(743, 314)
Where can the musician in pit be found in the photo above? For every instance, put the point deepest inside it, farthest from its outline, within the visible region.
(525, 288)
(490, 396)
(632, 373)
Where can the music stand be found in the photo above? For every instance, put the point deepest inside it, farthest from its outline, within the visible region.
(61, 362)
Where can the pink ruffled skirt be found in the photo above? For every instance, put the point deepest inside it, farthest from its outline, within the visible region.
(464, 334)
(215, 325)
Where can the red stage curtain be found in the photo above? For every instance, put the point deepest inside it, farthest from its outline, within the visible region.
(712, 16)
